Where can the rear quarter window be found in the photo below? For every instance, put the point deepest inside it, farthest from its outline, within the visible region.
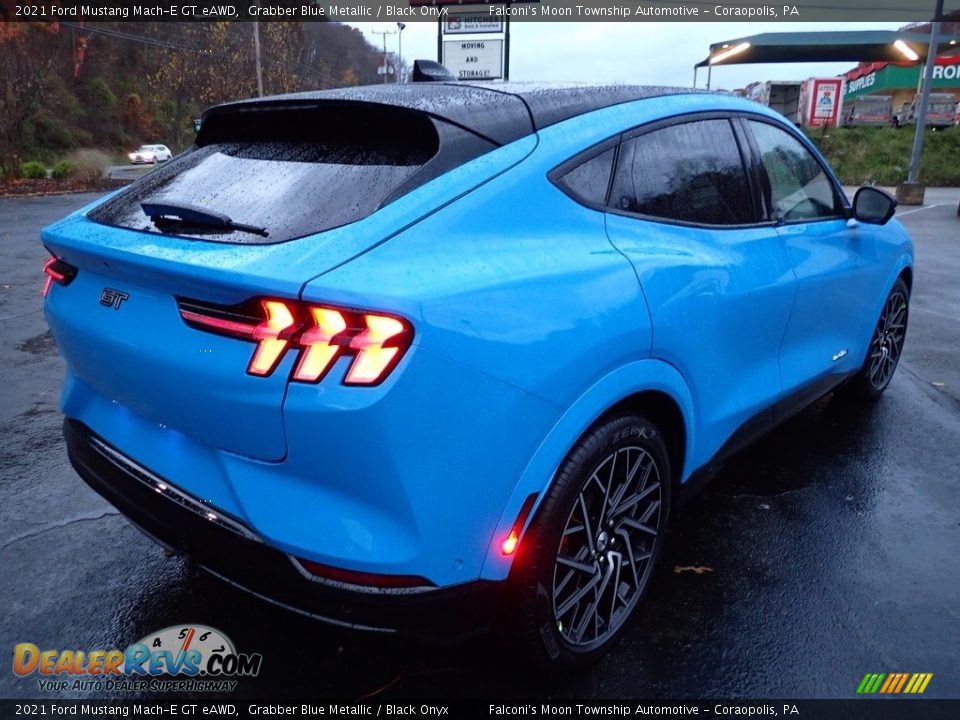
(589, 180)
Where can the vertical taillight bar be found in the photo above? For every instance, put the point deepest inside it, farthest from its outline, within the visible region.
(318, 349)
(273, 336)
(378, 347)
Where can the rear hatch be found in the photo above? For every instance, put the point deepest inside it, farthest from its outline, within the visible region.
(272, 195)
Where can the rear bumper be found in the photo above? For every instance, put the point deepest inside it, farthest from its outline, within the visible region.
(233, 552)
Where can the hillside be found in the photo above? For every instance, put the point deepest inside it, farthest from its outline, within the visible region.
(881, 156)
(112, 86)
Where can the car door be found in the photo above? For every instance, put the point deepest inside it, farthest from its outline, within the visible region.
(684, 209)
(831, 258)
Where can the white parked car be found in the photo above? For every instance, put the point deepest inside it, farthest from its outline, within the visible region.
(150, 154)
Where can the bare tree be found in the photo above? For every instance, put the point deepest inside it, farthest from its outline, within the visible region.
(27, 54)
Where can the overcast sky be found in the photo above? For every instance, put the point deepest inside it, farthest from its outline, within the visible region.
(629, 52)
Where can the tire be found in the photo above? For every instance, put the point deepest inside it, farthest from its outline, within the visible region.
(559, 562)
(886, 346)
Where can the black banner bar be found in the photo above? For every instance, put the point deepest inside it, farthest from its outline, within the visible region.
(740, 11)
(859, 709)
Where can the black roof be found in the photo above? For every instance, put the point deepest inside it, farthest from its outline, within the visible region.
(501, 112)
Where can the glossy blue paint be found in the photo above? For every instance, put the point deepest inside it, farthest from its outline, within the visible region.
(642, 376)
(719, 324)
(533, 315)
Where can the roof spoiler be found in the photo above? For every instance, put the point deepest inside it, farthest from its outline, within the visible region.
(430, 71)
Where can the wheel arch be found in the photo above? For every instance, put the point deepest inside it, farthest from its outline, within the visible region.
(660, 408)
(907, 276)
(903, 269)
(649, 387)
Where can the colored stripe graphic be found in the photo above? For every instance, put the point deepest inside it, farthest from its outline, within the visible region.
(894, 683)
(891, 680)
(918, 683)
(870, 683)
(903, 681)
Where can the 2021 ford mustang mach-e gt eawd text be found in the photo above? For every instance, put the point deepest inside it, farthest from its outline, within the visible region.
(428, 357)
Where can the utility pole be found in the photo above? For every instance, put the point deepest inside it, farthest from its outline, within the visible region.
(400, 28)
(384, 33)
(914, 173)
(256, 55)
(506, 45)
(256, 52)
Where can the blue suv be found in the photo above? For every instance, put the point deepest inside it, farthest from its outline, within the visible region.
(437, 357)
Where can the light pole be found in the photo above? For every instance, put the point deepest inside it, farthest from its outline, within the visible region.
(914, 173)
(400, 28)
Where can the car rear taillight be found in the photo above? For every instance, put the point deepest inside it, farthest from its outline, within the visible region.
(320, 333)
(272, 336)
(57, 271)
(378, 346)
(319, 350)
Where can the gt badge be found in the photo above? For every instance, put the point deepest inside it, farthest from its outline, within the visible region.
(112, 298)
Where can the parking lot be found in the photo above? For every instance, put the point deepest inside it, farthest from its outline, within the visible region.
(826, 551)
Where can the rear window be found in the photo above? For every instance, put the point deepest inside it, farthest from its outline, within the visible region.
(290, 171)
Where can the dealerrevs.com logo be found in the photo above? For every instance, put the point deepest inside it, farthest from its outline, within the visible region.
(193, 658)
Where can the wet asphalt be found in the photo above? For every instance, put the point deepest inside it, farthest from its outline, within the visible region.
(829, 549)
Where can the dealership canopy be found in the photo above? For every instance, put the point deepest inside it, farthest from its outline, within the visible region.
(855, 46)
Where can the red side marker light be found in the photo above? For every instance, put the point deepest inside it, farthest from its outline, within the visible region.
(512, 541)
(509, 545)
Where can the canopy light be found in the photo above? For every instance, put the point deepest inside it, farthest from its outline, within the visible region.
(729, 53)
(906, 50)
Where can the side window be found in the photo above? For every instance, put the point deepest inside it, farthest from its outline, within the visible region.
(799, 187)
(588, 181)
(691, 172)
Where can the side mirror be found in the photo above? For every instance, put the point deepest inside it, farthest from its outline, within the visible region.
(872, 205)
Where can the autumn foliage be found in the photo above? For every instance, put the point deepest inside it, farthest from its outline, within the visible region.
(114, 85)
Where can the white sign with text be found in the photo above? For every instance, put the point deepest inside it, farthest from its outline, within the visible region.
(474, 59)
(467, 23)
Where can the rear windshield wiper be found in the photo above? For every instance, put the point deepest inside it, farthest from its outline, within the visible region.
(163, 213)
